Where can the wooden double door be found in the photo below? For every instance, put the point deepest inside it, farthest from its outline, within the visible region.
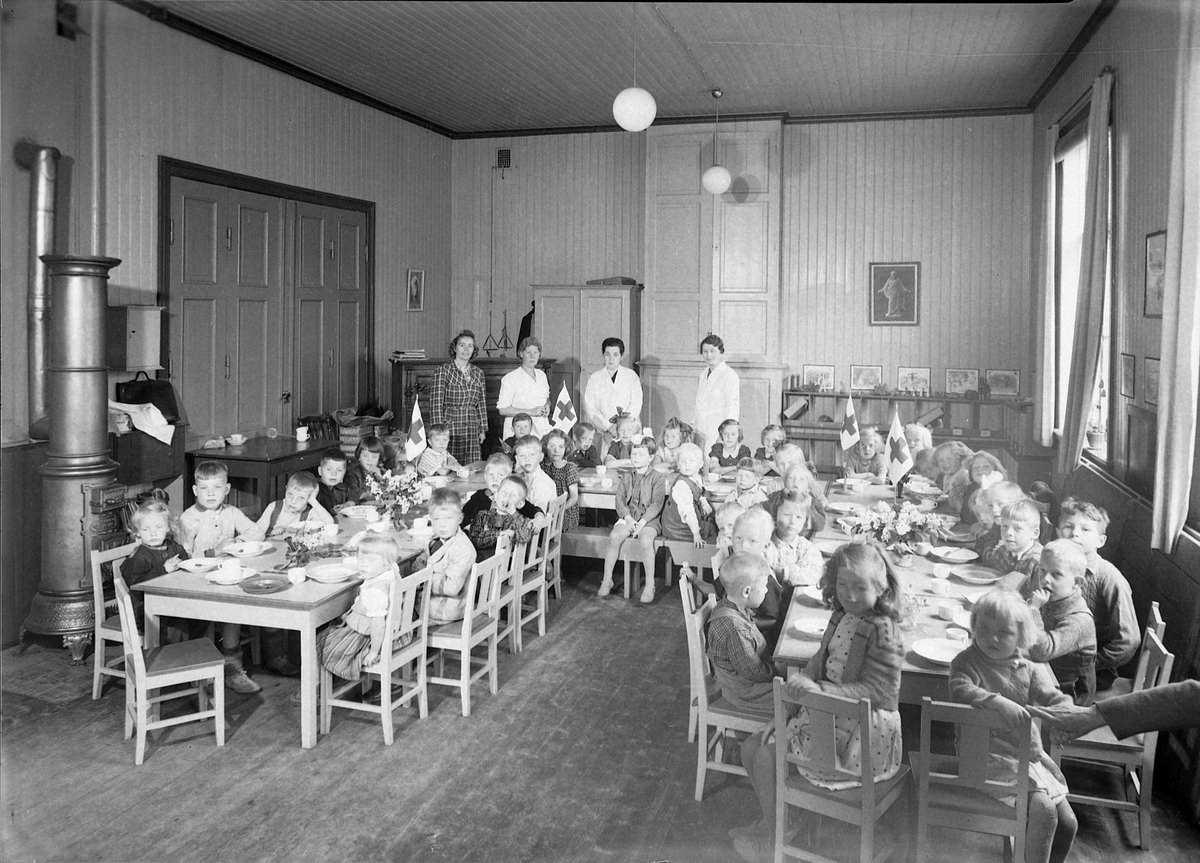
(269, 301)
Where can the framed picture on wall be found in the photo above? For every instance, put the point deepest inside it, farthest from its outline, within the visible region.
(1128, 375)
(912, 379)
(960, 381)
(865, 377)
(818, 376)
(416, 290)
(1151, 396)
(1004, 382)
(1156, 273)
(895, 295)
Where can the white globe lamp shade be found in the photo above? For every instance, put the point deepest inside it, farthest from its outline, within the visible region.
(716, 180)
(634, 109)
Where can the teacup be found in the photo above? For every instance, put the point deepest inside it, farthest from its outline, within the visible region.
(463, 472)
(301, 433)
(421, 524)
(601, 470)
(330, 530)
(606, 482)
(941, 588)
(947, 610)
(231, 570)
(237, 439)
(941, 570)
(956, 634)
(296, 574)
(714, 477)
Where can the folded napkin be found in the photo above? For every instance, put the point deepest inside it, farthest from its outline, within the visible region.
(214, 443)
(147, 418)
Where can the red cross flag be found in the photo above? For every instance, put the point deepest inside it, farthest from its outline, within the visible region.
(564, 412)
(849, 425)
(899, 458)
(415, 445)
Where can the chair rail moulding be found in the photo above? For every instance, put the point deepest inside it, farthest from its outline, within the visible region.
(670, 391)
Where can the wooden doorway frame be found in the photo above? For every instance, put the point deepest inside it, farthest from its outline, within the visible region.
(170, 169)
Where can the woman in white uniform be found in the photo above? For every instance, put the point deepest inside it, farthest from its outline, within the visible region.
(718, 393)
(525, 390)
(612, 390)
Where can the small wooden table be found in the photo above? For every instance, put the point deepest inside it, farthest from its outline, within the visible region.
(266, 462)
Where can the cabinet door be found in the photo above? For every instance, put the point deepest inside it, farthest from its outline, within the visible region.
(601, 314)
(556, 326)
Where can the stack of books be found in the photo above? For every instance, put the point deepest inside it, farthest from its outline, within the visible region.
(409, 354)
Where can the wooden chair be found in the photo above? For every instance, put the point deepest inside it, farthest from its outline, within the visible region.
(863, 804)
(713, 713)
(695, 670)
(190, 662)
(508, 609)
(529, 563)
(955, 791)
(699, 559)
(107, 626)
(478, 627)
(553, 538)
(1134, 756)
(402, 666)
(1124, 685)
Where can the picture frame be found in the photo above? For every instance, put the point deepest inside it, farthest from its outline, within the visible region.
(415, 289)
(961, 381)
(1004, 382)
(1156, 273)
(894, 298)
(1128, 375)
(865, 377)
(914, 379)
(1151, 394)
(818, 376)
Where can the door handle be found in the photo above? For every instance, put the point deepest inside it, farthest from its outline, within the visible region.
(286, 397)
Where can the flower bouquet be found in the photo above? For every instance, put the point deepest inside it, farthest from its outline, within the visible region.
(306, 545)
(898, 528)
(398, 493)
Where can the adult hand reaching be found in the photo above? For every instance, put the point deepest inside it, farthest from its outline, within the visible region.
(1068, 718)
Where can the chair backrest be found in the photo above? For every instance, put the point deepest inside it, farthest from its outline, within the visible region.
(823, 713)
(115, 557)
(695, 620)
(556, 514)
(408, 613)
(486, 576)
(1154, 663)
(974, 732)
(1154, 620)
(134, 658)
(532, 555)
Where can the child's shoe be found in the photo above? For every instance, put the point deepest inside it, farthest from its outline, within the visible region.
(236, 677)
(606, 587)
(647, 596)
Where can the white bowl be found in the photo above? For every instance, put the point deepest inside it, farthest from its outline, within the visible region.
(236, 439)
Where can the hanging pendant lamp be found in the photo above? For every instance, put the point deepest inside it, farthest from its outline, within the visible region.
(716, 180)
(634, 109)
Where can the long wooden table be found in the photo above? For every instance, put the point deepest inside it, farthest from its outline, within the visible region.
(303, 607)
(918, 677)
(266, 462)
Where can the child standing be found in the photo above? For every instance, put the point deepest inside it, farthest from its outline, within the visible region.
(505, 518)
(866, 460)
(860, 656)
(564, 473)
(725, 454)
(583, 450)
(993, 673)
(736, 648)
(772, 437)
(298, 507)
(797, 561)
(541, 489)
(157, 552)
(617, 456)
(675, 434)
(360, 638)
(333, 490)
(1068, 639)
(747, 490)
(450, 555)
(641, 493)
(687, 514)
(1104, 589)
(205, 526)
(1018, 549)
(435, 459)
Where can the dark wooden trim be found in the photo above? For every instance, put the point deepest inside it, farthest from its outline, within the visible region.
(906, 115)
(162, 16)
(1073, 50)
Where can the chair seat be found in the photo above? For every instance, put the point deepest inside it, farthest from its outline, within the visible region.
(1121, 686)
(1104, 740)
(179, 657)
(851, 797)
(113, 625)
(454, 628)
(721, 707)
(961, 800)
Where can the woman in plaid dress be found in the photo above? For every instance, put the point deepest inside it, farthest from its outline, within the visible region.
(456, 398)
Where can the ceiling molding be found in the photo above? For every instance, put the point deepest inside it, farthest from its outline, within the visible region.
(906, 115)
(1074, 50)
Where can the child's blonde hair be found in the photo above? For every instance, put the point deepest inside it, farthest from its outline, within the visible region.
(527, 442)
(774, 431)
(304, 481)
(728, 513)
(211, 470)
(800, 472)
(923, 435)
(153, 508)
(1024, 512)
(758, 519)
(1069, 555)
(957, 448)
(871, 433)
(743, 570)
(1007, 606)
(993, 464)
(750, 464)
(385, 546)
(445, 497)
(871, 560)
(1085, 508)
(691, 449)
(499, 458)
(627, 420)
(1003, 493)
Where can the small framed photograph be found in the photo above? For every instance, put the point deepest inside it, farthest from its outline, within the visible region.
(416, 290)
(1156, 273)
(912, 379)
(1128, 375)
(1151, 396)
(1004, 382)
(818, 376)
(960, 381)
(865, 377)
(895, 298)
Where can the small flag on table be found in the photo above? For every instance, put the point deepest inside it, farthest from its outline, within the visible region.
(564, 411)
(415, 445)
(899, 458)
(849, 425)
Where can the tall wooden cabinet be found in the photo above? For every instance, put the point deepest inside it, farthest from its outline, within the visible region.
(571, 322)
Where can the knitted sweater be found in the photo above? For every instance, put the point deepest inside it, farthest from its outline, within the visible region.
(1110, 600)
(1068, 643)
(641, 495)
(873, 668)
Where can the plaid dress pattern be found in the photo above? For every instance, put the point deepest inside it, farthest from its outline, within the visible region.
(457, 399)
(563, 477)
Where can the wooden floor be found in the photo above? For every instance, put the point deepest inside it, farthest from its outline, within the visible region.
(581, 756)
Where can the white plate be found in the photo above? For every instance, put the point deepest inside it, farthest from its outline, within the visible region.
(249, 549)
(939, 651)
(954, 555)
(361, 510)
(949, 520)
(963, 619)
(217, 577)
(331, 571)
(437, 481)
(199, 564)
(813, 592)
(977, 574)
(828, 546)
(843, 508)
(811, 627)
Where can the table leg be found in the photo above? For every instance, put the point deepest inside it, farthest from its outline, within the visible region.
(309, 677)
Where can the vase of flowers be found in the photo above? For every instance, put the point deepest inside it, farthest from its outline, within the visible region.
(398, 493)
(899, 528)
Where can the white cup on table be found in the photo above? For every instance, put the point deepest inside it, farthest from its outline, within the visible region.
(330, 530)
(941, 570)
(940, 588)
(301, 433)
(297, 574)
(601, 470)
(606, 482)
(947, 610)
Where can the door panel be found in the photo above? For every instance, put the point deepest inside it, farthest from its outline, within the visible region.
(253, 402)
(199, 220)
(310, 357)
(254, 247)
(194, 335)
(347, 377)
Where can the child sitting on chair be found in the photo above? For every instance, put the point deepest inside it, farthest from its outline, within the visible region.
(299, 507)
(157, 553)
(797, 561)
(1018, 549)
(675, 434)
(983, 470)
(617, 457)
(540, 488)
(798, 478)
(503, 518)
(747, 489)
(564, 473)
(360, 637)
(522, 426)
(450, 555)
(735, 647)
(726, 516)
(951, 458)
(641, 493)
(866, 460)
(1068, 639)
(988, 505)
(772, 437)
(687, 514)
(333, 491)
(435, 459)
(725, 454)
(367, 462)
(583, 446)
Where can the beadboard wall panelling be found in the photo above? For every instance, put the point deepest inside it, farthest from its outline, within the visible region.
(1141, 42)
(169, 94)
(568, 210)
(952, 194)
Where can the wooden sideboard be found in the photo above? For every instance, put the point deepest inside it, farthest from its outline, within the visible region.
(411, 380)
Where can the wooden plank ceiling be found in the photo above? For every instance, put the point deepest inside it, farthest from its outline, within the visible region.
(471, 67)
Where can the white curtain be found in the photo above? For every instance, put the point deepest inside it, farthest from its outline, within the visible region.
(1043, 410)
(1093, 271)
(1180, 349)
